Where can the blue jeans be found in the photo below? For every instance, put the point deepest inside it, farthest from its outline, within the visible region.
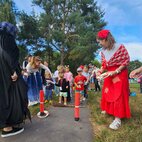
(48, 94)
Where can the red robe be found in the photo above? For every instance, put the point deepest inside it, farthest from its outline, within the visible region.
(115, 91)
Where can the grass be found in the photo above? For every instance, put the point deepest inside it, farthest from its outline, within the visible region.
(35, 109)
(131, 129)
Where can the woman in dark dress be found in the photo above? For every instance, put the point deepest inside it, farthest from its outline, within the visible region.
(13, 90)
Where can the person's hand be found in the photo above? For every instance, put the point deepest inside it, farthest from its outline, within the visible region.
(78, 86)
(86, 83)
(134, 74)
(48, 81)
(102, 76)
(106, 74)
(14, 76)
(99, 72)
(111, 73)
(25, 74)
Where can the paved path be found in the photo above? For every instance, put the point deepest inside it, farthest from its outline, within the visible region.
(58, 127)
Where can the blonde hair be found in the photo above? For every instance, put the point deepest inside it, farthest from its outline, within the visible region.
(47, 74)
(60, 68)
(33, 61)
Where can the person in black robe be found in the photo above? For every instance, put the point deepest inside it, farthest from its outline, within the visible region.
(13, 89)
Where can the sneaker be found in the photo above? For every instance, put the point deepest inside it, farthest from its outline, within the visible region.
(65, 104)
(13, 132)
(83, 99)
(50, 102)
(115, 124)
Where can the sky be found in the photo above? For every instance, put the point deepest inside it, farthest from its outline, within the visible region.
(123, 17)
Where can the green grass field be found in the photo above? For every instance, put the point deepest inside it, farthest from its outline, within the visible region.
(131, 129)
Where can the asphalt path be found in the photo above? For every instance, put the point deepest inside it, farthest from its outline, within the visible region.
(59, 126)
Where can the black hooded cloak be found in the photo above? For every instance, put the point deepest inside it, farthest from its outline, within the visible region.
(13, 94)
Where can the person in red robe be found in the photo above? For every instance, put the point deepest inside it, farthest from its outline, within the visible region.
(115, 91)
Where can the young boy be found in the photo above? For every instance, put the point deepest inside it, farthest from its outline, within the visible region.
(79, 83)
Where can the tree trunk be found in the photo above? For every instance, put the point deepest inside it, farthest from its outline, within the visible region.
(62, 56)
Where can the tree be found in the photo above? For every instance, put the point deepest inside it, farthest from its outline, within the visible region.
(8, 11)
(96, 63)
(70, 27)
(134, 65)
(29, 34)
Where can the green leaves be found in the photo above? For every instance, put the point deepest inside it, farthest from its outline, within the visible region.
(73, 24)
(66, 27)
(7, 11)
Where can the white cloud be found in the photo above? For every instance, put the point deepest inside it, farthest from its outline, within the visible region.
(125, 19)
(124, 37)
(113, 14)
(122, 12)
(134, 50)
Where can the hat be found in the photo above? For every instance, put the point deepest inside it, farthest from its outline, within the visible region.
(103, 34)
(81, 66)
(10, 28)
(79, 69)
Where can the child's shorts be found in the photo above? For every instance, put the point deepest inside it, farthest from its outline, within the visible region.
(92, 80)
(81, 92)
(64, 94)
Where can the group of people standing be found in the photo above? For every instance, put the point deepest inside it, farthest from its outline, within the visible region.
(38, 76)
(21, 87)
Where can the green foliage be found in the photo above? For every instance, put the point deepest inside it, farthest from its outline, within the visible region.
(134, 65)
(96, 63)
(71, 26)
(23, 52)
(7, 11)
(67, 28)
(29, 34)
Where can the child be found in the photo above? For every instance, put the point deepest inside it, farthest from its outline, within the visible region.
(94, 75)
(49, 86)
(69, 77)
(64, 85)
(34, 80)
(79, 83)
(87, 75)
